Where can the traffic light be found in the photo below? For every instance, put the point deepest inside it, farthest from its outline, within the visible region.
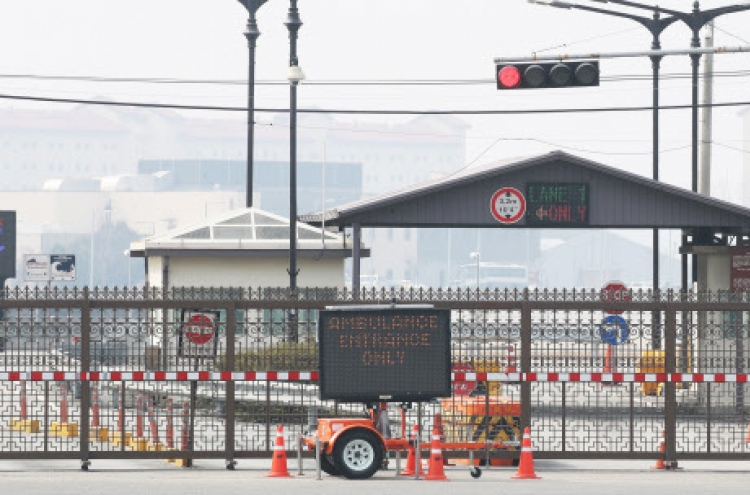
(548, 75)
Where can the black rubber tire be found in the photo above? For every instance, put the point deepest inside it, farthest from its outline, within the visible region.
(475, 472)
(358, 454)
(327, 465)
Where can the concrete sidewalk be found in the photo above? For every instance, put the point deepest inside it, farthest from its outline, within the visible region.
(209, 477)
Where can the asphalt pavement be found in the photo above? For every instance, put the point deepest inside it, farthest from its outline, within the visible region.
(120, 477)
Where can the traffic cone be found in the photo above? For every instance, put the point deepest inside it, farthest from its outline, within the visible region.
(278, 465)
(511, 363)
(411, 459)
(526, 465)
(747, 438)
(438, 422)
(660, 464)
(435, 471)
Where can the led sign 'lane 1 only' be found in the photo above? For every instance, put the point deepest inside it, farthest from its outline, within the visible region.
(395, 354)
(557, 204)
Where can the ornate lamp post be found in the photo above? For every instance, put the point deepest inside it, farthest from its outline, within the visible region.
(294, 76)
(251, 34)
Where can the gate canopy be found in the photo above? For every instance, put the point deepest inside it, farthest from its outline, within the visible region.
(554, 190)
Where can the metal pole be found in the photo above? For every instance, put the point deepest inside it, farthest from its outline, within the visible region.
(417, 446)
(704, 182)
(636, 54)
(299, 455)
(477, 271)
(293, 24)
(252, 35)
(317, 458)
(655, 67)
(695, 59)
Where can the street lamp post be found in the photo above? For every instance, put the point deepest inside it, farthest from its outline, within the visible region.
(295, 76)
(695, 20)
(476, 257)
(252, 35)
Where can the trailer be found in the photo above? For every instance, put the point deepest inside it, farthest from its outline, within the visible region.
(380, 354)
(357, 448)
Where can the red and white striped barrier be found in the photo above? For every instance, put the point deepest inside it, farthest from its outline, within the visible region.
(306, 376)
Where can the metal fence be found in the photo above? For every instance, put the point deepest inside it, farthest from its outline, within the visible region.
(113, 373)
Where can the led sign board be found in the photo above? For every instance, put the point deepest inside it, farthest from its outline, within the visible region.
(399, 354)
(557, 204)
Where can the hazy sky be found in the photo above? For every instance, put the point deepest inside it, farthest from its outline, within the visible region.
(384, 40)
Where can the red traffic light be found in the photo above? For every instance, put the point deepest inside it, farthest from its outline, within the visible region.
(536, 75)
(509, 77)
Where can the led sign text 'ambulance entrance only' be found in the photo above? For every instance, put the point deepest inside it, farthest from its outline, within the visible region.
(390, 354)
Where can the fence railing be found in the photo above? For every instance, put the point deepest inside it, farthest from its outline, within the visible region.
(107, 373)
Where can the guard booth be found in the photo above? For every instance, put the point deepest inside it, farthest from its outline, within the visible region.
(248, 247)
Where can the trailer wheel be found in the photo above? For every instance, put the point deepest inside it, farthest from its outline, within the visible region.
(357, 454)
(327, 465)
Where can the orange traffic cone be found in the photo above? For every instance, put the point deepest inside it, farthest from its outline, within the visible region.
(438, 422)
(435, 471)
(411, 459)
(747, 438)
(526, 465)
(660, 464)
(278, 465)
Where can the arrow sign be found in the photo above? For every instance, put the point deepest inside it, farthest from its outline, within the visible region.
(614, 330)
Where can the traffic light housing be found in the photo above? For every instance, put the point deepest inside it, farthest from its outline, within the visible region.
(535, 75)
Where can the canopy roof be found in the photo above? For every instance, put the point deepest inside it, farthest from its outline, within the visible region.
(615, 199)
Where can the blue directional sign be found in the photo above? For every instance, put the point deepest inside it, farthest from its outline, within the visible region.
(614, 330)
(7, 244)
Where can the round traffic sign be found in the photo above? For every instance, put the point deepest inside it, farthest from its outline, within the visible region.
(614, 330)
(615, 291)
(200, 329)
(463, 388)
(508, 205)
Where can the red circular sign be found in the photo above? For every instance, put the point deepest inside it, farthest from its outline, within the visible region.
(508, 205)
(200, 329)
(463, 388)
(615, 292)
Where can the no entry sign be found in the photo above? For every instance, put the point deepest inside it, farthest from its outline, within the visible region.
(508, 205)
(198, 332)
(200, 329)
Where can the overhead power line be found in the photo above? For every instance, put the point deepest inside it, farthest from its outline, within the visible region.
(366, 112)
(343, 82)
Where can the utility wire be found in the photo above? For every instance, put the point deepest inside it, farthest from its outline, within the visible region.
(734, 148)
(578, 42)
(343, 82)
(730, 34)
(368, 112)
